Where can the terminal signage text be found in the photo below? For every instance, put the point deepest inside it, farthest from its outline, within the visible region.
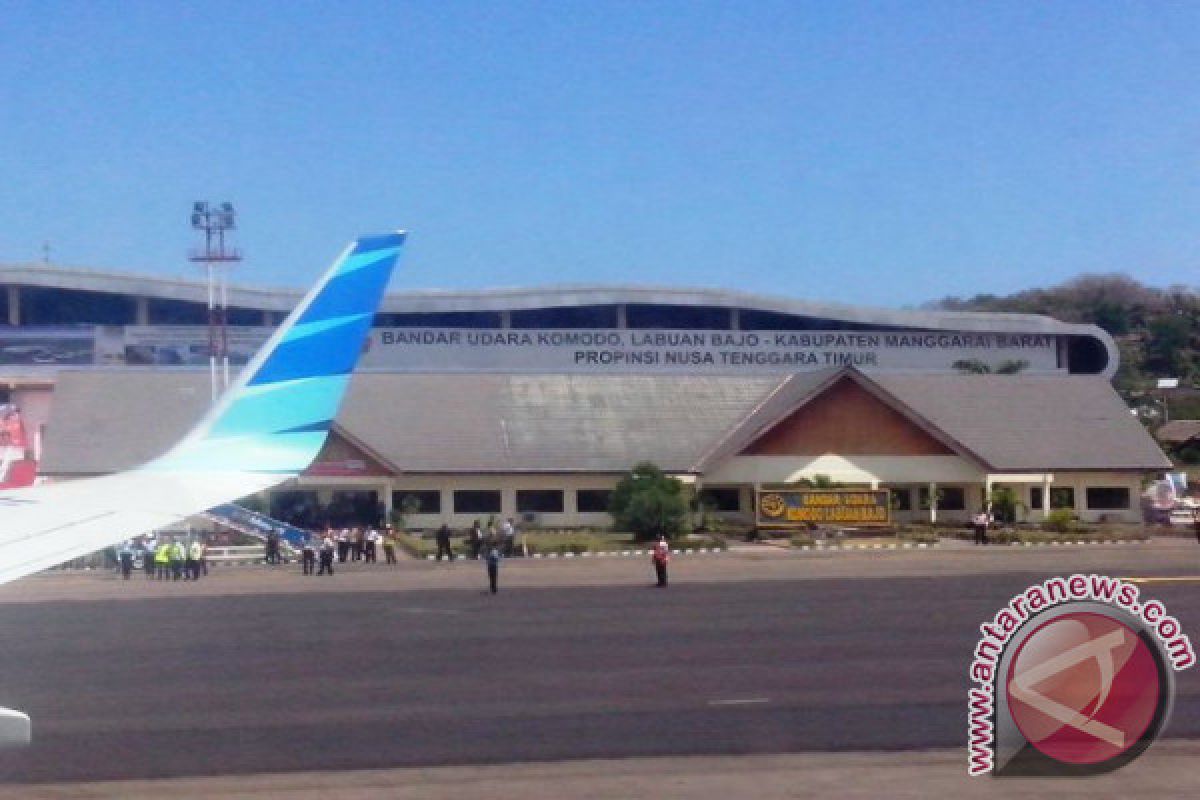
(802, 508)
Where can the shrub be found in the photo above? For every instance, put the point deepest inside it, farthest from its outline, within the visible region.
(1059, 521)
(649, 503)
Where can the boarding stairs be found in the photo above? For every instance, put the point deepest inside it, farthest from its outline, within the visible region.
(252, 523)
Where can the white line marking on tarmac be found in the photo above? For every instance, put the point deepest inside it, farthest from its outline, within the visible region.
(739, 701)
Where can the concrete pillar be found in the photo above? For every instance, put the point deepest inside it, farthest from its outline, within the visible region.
(14, 305)
(506, 319)
(385, 490)
(987, 493)
(932, 503)
(622, 320)
(1045, 495)
(141, 311)
(735, 319)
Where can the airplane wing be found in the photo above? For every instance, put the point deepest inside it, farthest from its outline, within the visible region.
(267, 427)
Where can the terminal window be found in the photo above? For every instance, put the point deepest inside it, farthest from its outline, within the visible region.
(164, 311)
(444, 319)
(424, 501)
(1062, 497)
(1105, 498)
(901, 499)
(1035, 498)
(42, 306)
(477, 501)
(592, 501)
(950, 498)
(721, 499)
(565, 317)
(646, 315)
(547, 501)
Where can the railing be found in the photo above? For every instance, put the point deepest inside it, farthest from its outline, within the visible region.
(243, 554)
(253, 523)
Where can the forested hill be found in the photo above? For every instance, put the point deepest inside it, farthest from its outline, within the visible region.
(1158, 330)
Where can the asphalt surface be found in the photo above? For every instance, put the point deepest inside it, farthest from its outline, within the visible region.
(124, 687)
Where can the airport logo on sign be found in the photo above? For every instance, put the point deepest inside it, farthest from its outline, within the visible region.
(1074, 677)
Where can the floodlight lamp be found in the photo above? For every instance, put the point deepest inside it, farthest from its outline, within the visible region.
(197, 220)
(227, 221)
(1168, 383)
(199, 207)
(227, 207)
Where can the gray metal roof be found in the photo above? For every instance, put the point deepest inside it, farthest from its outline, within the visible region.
(1178, 431)
(512, 299)
(1016, 423)
(107, 420)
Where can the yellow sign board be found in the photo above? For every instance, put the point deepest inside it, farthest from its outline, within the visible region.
(801, 508)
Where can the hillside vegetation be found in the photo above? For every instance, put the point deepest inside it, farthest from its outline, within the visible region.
(1157, 330)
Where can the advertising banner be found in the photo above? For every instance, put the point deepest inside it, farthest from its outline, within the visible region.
(47, 348)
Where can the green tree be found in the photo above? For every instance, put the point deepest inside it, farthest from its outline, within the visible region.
(649, 503)
(1165, 348)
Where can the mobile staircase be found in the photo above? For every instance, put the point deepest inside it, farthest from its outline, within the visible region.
(252, 523)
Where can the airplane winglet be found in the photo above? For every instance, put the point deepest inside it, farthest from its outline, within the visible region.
(275, 416)
(15, 728)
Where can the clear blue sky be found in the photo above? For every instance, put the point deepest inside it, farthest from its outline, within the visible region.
(877, 153)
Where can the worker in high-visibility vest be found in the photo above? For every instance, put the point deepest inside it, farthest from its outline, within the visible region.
(162, 559)
(178, 555)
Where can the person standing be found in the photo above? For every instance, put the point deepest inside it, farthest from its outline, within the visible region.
(195, 553)
(661, 556)
(177, 557)
(126, 558)
(326, 557)
(308, 556)
(343, 545)
(443, 542)
(980, 523)
(372, 545)
(493, 568)
(476, 539)
(162, 560)
(356, 542)
(509, 531)
(149, 548)
(272, 547)
(389, 545)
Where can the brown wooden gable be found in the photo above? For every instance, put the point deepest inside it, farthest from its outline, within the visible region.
(341, 457)
(846, 419)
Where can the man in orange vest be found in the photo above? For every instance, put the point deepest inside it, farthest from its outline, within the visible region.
(660, 556)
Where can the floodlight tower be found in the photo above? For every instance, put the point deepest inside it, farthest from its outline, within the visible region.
(215, 221)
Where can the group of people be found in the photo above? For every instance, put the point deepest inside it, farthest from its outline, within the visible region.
(503, 538)
(166, 559)
(349, 544)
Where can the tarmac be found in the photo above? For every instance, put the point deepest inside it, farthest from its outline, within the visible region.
(1172, 567)
(1167, 770)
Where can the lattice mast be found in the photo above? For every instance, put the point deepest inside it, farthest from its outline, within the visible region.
(217, 257)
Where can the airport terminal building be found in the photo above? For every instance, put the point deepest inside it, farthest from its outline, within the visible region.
(532, 402)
